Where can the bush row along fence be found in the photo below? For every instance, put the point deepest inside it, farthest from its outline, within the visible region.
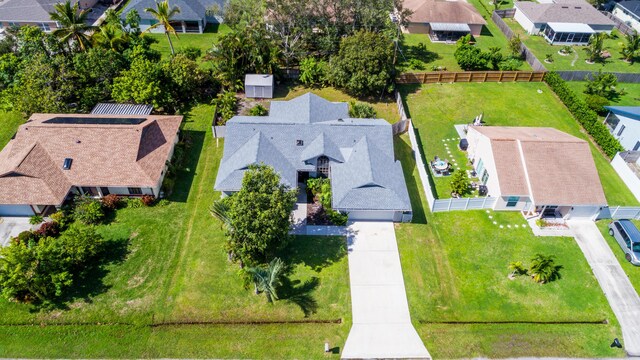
(470, 76)
(441, 205)
(621, 26)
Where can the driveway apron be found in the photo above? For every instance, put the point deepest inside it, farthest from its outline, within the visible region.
(617, 288)
(381, 322)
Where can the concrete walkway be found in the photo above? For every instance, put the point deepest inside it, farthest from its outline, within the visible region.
(617, 288)
(381, 322)
(11, 227)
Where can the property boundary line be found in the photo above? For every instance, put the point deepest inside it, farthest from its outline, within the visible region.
(533, 322)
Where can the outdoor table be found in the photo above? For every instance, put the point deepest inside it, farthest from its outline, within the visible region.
(440, 165)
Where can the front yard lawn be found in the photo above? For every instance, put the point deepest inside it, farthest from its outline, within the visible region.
(9, 123)
(575, 61)
(435, 108)
(633, 272)
(464, 306)
(170, 266)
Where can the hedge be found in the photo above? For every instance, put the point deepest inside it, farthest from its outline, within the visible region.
(585, 116)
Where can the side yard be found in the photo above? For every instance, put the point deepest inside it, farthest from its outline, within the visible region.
(463, 305)
(9, 123)
(575, 61)
(633, 272)
(170, 270)
(435, 109)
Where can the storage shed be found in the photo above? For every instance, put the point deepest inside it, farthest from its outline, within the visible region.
(258, 86)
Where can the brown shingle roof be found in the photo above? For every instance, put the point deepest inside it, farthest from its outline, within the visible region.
(559, 167)
(428, 11)
(103, 155)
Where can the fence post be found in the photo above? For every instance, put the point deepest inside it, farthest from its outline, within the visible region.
(449, 207)
(467, 205)
(637, 217)
(424, 78)
(615, 212)
(484, 202)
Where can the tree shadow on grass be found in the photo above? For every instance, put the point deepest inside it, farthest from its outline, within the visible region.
(486, 32)
(194, 141)
(405, 154)
(418, 52)
(300, 294)
(316, 252)
(89, 281)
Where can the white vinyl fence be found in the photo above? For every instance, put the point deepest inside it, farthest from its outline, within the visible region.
(620, 212)
(422, 170)
(463, 204)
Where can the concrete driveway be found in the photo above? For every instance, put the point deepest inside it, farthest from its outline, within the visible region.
(621, 295)
(12, 226)
(381, 322)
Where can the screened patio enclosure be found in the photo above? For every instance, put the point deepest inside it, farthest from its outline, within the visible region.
(567, 33)
(449, 32)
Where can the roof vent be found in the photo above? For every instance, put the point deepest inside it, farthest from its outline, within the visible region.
(340, 120)
(578, 7)
(78, 141)
(299, 143)
(565, 7)
(67, 163)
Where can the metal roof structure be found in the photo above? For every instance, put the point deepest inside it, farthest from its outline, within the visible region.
(258, 80)
(121, 109)
(571, 28)
(457, 27)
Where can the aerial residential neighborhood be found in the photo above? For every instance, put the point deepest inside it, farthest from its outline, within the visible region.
(293, 179)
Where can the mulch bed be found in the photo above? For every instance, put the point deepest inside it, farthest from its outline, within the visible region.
(316, 215)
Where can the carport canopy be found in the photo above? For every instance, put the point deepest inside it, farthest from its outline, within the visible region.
(457, 27)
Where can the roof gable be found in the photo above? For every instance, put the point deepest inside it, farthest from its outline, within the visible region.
(322, 145)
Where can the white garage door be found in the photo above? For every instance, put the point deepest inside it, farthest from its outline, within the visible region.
(15, 210)
(372, 215)
(583, 212)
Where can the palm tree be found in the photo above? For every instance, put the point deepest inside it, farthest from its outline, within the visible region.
(544, 269)
(163, 14)
(109, 37)
(632, 46)
(73, 23)
(595, 46)
(267, 279)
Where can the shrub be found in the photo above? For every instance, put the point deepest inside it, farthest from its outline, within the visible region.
(88, 211)
(111, 201)
(226, 104)
(567, 49)
(361, 110)
(337, 218)
(515, 47)
(190, 52)
(585, 116)
(548, 58)
(258, 110)
(517, 268)
(167, 184)
(313, 71)
(134, 203)
(58, 216)
(163, 202)
(510, 65)
(544, 269)
(35, 220)
(321, 187)
(470, 57)
(459, 182)
(597, 103)
(148, 200)
(25, 237)
(48, 229)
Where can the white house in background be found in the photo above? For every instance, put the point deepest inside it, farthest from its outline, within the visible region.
(194, 15)
(33, 12)
(56, 156)
(538, 170)
(629, 13)
(624, 124)
(562, 22)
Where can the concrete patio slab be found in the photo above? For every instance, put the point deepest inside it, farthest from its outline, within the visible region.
(382, 326)
(11, 227)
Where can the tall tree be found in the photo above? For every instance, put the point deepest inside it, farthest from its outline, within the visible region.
(73, 24)
(163, 13)
(595, 46)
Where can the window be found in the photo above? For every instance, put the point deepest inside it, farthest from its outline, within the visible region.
(480, 167)
(45, 27)
(90, 191)
(66, 165)
(512, 201)
(299, 143)
(105, 191)
(622, 127)
(323, 166)
(485, 177)
(135, 191)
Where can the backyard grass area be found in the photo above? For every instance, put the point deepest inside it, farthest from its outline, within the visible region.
(576, 61)
(631, 97)
(169, 265)
(435, 108)
(9, 123)
(202, 41)
(632, 271)
(462, 303)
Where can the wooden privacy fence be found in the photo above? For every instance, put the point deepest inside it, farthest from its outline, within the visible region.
(470, 76)
(441, 205)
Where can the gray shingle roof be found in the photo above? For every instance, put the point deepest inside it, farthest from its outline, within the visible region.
(26, 10)
(364, 173)
(632, 6)
(576, 11)
(190, 10)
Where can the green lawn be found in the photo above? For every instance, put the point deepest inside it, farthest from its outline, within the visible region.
(631, 97)
(633, 272)
(168, 265)
(434, 110)
(455, 270)
(9, 122)
(202, 41)
(575, 61)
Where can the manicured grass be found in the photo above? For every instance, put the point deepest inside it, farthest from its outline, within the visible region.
(632, 271)
(435, 108)
(9, 122)
(455, 270)
(630, 98)
(169, 265)
(202, 41)
(576, 60)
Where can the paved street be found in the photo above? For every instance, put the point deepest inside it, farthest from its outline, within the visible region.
(617, 288)
(381, 322)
